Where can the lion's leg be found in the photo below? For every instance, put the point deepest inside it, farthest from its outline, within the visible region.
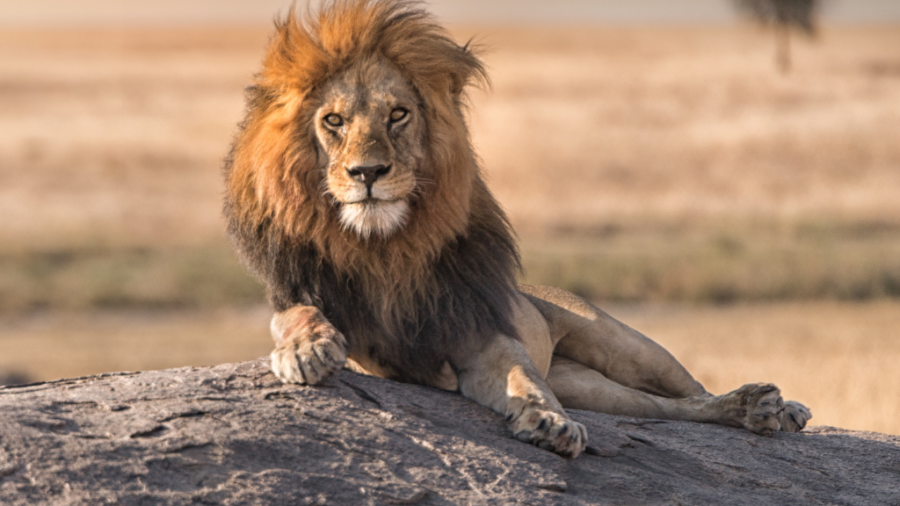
(585, 334)
(307, 347)
(502, 376)
(754, 407)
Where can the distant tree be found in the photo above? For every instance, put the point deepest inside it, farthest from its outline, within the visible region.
(782, 15)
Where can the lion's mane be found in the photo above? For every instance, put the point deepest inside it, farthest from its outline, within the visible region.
(406, 301)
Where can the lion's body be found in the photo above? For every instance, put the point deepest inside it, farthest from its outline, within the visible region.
(354, 193)
(448, 278)
(414, 348)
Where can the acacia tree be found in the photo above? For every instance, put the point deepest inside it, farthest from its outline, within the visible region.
(782, 16)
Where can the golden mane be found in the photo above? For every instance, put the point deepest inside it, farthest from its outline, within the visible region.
(274, 202)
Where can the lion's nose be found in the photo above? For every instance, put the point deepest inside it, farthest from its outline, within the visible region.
(369, 174)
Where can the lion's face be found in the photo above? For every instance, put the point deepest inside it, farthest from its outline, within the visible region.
(371, 136)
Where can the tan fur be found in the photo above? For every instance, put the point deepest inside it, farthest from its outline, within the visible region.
(355, 158)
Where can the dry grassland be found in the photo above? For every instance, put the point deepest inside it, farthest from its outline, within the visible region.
(117, 137)
(591, 128)
(49, 346)
(637, 164)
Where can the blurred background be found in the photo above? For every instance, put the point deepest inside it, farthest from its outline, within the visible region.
(723, 176)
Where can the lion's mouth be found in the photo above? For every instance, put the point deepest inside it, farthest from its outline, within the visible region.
(373, 216)
(372, 201)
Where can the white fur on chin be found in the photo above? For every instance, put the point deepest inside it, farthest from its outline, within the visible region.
(374, 217)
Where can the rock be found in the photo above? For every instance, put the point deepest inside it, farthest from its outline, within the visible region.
(233, 434)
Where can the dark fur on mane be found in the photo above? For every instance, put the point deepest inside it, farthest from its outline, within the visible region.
(442, 283)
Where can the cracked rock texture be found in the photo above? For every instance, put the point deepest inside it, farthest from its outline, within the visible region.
(233, 434)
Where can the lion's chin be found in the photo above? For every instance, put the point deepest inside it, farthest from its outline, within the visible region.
(374, 217)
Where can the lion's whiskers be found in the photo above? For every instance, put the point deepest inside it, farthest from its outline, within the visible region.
(324, 189)
(418, 189)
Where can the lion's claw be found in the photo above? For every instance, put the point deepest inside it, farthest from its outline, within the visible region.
(794, 416)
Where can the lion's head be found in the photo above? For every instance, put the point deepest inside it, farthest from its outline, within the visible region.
(353, 186)
(356, 126)
(370, 128)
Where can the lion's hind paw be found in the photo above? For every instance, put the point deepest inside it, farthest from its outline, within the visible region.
(754, 406)
(794, 416)
(550, 431)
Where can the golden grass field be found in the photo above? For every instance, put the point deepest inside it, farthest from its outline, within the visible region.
(748, 221)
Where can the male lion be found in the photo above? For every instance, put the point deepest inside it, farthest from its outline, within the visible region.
(354, 192)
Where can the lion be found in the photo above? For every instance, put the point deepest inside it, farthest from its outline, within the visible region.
(354, 193)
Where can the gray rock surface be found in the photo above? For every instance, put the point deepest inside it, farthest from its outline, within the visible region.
(233, 434)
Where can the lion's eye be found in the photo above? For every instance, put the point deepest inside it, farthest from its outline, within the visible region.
(399, 114)
(334, 120)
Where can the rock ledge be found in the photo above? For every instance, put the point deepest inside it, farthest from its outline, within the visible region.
(233, 434)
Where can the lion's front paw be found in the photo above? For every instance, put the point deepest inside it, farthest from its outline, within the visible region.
(794, 416)
(549, 430)
(755, 407)
(309, 359)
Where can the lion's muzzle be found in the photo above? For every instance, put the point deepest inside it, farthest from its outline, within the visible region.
(367, 175)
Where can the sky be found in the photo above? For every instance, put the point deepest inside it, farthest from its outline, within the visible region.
(154, 12)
